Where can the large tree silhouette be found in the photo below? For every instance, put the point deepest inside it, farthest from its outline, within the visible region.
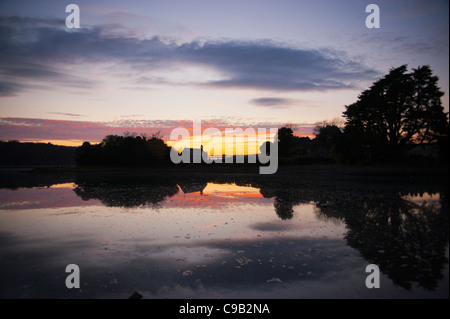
(397, 112)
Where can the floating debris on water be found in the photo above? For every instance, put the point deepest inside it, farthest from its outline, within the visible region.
(243, 261)
(275, 279)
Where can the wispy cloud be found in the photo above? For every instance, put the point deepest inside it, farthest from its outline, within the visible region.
(274, 102)
(268, 65)
(65, 114)
(44, 50)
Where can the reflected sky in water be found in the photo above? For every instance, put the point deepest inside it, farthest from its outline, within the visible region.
(206, 238)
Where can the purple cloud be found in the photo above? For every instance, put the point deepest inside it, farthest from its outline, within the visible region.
(40, 49)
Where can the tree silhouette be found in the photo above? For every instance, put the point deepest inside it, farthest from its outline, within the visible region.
(327, 135)
(285, 137)
(130, 149)
(265, 148)
(397, 112)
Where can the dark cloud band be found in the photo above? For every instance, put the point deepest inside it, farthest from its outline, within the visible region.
(273, 102)
(37, 49)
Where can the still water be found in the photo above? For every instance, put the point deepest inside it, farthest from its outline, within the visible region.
(233, 237)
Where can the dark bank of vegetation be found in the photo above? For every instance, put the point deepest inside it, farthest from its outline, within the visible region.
(131, 149)
(15, 153)
(398, 120)
(398, 114)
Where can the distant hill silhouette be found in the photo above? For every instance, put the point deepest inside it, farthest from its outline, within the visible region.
(16, 153)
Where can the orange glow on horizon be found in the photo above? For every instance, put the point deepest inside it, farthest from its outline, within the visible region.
(187, 143)
(240, 144)
(57, 142)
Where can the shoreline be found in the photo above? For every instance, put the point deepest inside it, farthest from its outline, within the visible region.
(322, 171)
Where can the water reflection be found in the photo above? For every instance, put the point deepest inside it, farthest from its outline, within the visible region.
(402, 228)
(125, 192)
(193, 187)
(285, 198)
(406, 240)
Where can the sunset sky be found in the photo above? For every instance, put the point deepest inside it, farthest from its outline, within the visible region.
(149, 66)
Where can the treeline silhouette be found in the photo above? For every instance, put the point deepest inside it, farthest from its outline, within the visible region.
(16, 153)
(399, 119)
(131, 149)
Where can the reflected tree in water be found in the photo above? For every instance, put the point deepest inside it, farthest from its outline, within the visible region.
(284, 208)
(405, 239)
(284, 199)
(126, 193)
